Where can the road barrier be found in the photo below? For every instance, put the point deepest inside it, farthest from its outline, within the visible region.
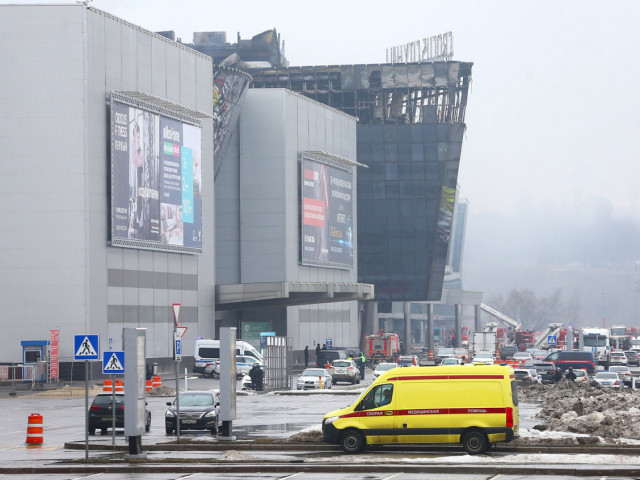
(156, 382)
(149, 386)
(119, 386)
(35, 429)
(430, 354)
(107, 386)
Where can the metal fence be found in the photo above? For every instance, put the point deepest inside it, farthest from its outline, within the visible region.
(18, 372)
(277, 363)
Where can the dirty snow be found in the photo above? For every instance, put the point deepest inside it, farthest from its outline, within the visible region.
(604, 415)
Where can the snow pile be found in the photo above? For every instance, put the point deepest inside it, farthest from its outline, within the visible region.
(586, 408)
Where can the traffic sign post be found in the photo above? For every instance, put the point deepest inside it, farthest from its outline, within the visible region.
(177, 356)
(552, 340)
(112, 363)
(86, 347)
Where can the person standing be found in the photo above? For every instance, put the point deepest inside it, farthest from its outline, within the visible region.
(362, 365)
(557, 375)
(318, 355)
(570, 375)
(306, 356)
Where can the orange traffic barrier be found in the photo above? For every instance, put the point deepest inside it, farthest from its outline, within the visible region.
(430, 354)
(119, 386)
(35, 429)
(156, 382)
(107, 386)
(149, 386)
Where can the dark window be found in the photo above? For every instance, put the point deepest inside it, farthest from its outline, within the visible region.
(209, 352)
(514, 393)
(32, 356)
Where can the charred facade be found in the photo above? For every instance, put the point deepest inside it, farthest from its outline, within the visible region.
(409, 133)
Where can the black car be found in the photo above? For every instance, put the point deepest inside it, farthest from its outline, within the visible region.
(101, 416)
(198, 411)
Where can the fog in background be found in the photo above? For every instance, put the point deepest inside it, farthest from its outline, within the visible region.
(549, 162)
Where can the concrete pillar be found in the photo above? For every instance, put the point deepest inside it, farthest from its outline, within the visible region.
(407, 327)
(476, 317)
(370, 317)
(388, 325)
(429, 342)
(458, 328)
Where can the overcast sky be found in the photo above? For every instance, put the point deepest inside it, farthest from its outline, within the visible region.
(554, 111)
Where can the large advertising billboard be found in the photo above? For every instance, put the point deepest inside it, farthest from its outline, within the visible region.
(156, 175)
(327, 214)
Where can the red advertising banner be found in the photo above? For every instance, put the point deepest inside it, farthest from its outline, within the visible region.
(53, 353)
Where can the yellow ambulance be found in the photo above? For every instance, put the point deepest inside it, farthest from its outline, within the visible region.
(473, 405)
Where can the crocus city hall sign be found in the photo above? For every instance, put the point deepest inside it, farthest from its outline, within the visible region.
(428, 49)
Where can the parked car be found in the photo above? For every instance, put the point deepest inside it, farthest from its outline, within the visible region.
(244, 364)
(101, 416)
(444, 353)
(407, 361)
(526, 376)
(328, 356)
(211, 369)
(608, 379)
(484, 357)
(345, 371)
(508, 351)
(383, 367)
(566, 359)
(451, 361)
(310, 379)
(618, 358)
(632, 358)
(463, 354)
(525, 358)
(198, 411)
(537, 354)
(624, 373)
(581, 375)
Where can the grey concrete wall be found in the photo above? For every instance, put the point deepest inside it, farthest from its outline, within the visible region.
(57, 269)
(275, 127)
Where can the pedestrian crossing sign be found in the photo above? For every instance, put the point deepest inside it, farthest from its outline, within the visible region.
(86, 347)
(112, 362)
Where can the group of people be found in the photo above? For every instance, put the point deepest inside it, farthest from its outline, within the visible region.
(557, 375)
(360, 361)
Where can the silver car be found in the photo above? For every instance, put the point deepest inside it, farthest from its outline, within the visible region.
(314, 379)
(345, 371)
(383, 367)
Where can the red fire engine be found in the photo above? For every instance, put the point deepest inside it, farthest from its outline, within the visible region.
(381, 346)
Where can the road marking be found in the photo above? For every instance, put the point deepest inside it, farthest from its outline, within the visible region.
(392, 476)
(291, 476)
(189, 476)
(87, 476)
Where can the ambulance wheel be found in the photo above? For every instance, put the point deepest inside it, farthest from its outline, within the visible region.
(475, 442)
(352, 441)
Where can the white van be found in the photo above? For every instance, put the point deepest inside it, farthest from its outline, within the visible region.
(208, 350)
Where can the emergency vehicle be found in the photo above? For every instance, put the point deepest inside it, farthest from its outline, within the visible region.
(381, 346)
(472, 405)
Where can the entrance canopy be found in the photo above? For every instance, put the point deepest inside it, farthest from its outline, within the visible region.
(286, 294)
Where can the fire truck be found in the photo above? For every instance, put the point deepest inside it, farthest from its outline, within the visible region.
(381, 346)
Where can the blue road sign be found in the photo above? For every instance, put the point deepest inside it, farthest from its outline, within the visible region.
(113, 362)
(552, 340)
(86, 347)
(178, 346)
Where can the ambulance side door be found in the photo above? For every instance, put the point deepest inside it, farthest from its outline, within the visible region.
(422, 411)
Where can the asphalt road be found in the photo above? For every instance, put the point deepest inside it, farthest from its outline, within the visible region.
(258, 416)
